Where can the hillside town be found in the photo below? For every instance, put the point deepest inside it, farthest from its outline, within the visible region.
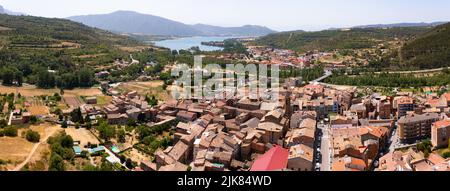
(344, 99)
(316, 127)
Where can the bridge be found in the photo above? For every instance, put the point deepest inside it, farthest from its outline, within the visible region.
(327, 74)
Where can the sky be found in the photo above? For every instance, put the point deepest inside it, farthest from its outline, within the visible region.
(281, 15)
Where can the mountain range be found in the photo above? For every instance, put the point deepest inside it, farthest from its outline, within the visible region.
(137, 23)
(422, 24)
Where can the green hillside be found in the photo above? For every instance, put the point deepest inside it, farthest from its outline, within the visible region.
(429, 50)
(336, 39)
(29, 46)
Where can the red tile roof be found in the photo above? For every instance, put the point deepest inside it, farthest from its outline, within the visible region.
(274, 159)
(447, 96)
(443, 123)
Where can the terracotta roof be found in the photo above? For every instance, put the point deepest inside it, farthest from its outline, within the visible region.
(302, 151)
(274, 159)
(441, 124)
(446, 96)
(177, 167)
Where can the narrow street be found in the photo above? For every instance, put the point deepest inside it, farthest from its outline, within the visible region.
(325, 148)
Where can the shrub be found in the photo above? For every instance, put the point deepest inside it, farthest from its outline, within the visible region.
(446, 155)
(33, 136)
(10, 131)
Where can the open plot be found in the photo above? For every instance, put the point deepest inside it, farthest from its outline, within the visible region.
(72, 101)
(136, 155)
(103, 100)
(45, 129)
(14, 149)
(27, 90)
(37, 107)
(82, 135)
(84, 92)
(144, 88)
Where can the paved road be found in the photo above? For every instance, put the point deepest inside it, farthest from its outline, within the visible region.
(393, 140)
(326, 148)
(327, 74)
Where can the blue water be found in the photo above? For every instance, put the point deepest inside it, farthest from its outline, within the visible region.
(188, 42)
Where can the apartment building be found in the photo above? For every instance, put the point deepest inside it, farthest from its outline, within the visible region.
(415, 127)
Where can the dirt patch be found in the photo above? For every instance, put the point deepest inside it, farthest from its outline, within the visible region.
(27, 90)
(14, 149)
(144, 88)
(137, 156)
(41, 158)
(84, 92)
(72, 101)
(45, 129)
(82, 135)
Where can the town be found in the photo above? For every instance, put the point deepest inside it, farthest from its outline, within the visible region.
(130, 91)
(313, 126)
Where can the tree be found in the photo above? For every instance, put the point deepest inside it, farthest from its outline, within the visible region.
(46, 79)
(89, 125)
(152, 101)
(3, 123)
(66, 141)
(77, 116)
(121, 135)
(56, 163)
(85, 77)
(32, 136)
(33, 119)
(129, 163)
(10, 131)
(19, 78)
(64, 124)
(106, 131)
(7, 76)
(131, 122)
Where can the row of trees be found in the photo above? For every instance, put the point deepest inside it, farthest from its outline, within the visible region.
(82, 78)
(61, 149)
(11, 76)
(389, 80)
(307, 74)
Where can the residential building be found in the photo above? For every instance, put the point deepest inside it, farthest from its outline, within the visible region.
(300, 158)
(415, 127)
(440, 133)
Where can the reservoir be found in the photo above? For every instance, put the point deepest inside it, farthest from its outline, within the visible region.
(188, 42)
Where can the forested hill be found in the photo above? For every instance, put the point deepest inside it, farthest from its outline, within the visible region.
(30, 46)
(429, 50)
(336, 39)
(48, 31)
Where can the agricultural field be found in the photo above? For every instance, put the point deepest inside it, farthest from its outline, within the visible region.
(37, 107)
(27, 90)
(72, 101)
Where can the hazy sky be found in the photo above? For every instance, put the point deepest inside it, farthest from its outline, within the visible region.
(276, 14)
